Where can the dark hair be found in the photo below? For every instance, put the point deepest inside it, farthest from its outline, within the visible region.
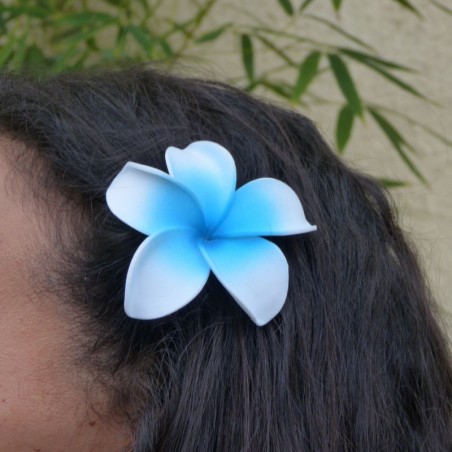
(354, 361)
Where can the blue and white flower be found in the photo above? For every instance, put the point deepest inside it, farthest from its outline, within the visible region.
(196, 222)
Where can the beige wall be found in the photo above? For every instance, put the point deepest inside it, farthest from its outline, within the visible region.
(426, 213)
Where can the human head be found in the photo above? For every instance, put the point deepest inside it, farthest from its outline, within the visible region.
(354, 360)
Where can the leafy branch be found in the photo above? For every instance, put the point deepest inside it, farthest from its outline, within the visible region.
(57, 35)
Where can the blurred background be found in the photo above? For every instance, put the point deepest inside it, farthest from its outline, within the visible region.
(376, 77)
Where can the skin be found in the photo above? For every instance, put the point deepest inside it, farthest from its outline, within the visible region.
(44, 403)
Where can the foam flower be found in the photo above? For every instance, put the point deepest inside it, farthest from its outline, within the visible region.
(196, 222)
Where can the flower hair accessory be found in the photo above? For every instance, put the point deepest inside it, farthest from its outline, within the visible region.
(196, 222)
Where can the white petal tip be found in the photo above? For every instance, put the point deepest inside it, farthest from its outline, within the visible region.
(262, 321)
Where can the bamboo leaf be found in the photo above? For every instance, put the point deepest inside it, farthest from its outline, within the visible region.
(366, 58)
(202, 11)
(285, 34)
(84, 18)
(408, 5)
(397, 81)
(34, 57)
(142, 37)
(248, 56)
(145, 5)
(337, 4)
(81, 61)
(3, 28)
(286, 6)
(84, 34)
(180, 27)
(397, 141)
(124, 4)
(252, 86)
(20, 51)
(7, 51)
(344, 127)
(346, 84)
(340, 30)
(30, 11)
(392, 133)
(398, 136)
(62, 61)
(304, 5)
(67, 33)
(434, 133)
(306, 74)
(280, 89)
(441, 7)
(166, 47)
(277, 51)
(392, 183)
(212, 35)
(92, 44)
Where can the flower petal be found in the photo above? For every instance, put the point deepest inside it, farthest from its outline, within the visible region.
(166, 273)
(253, 270)
(208, 171)
(150, 201)
(264, 207)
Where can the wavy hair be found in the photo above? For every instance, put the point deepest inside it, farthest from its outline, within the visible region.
(355, 361)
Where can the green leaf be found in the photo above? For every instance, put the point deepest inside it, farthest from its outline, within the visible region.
(62, 61)
(392, 183)
(397, 141)
(408, 5)
(81, 61)
(277, 51)
(142, 37)
(433, 133)
(306, 74)
(291, 36)
(3, 29)
(248, 56)
(366, 58)
(286, 6)
(441, 7)
(145, 5)
(397, 81)
(346, 84)
(252, 86)
(396, 135)
(20, 52)
(344, 126)
(92, 44)
(34, 57)
(179, 27)
(201, 10)
(84, 18)
(64, 35)
(165, 46)
(281, 89)
(337, 4)
(304, 5)
(124, 4)
(212, 35)
(339, 30)
(30, 11)
(7, 51)
(84, 34)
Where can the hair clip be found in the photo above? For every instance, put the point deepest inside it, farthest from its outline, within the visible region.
(196, 222)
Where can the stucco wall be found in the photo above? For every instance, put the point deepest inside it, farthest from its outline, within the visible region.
(425, 44)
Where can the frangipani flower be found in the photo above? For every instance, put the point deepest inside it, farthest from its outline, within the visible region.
(196, 223)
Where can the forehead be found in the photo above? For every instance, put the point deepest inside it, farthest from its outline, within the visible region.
(17, 223)
(19, 228)
(38, 394)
